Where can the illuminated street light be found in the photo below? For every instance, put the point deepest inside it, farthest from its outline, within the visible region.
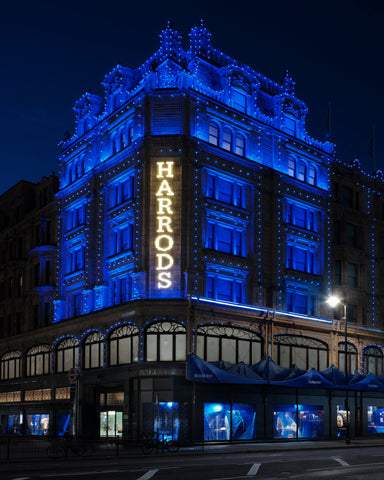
(333, 302)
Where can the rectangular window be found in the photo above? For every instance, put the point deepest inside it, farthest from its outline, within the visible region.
(337, 272)
(302, 172)
(291, 167)
(239, 101)
(227, 139)
(213, 134)
(352, 275)
(229, 290)
(347, 196)
(351, 235)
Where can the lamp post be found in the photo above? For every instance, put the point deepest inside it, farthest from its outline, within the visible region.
(333, 302)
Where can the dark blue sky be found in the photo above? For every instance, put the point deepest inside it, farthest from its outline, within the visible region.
(52, 52)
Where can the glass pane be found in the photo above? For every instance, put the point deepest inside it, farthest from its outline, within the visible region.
(285, 421)
(299, 357)
(228, 353)
(135, 348)
(375, 417)
(243, 422)
(37, 424)
(312, 358)
(212, 349)
(113, 352)
(151, 348)
(124, 350)
(256, 352)
(323, 360)
(181, 346)
(200, 346)
(217, 421)
(244, 353)
(285, 356)
(166, 344)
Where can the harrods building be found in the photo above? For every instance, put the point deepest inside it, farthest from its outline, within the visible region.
(174, 277)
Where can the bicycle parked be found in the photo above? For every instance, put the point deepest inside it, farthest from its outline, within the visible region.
(158, 443)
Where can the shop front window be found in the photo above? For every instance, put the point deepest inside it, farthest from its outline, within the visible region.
(111, 424)
(14, 423)
(166, 421)
(341, 419)
(298, 421)
(375, 418)
(221, 422)
(37, 424)
(63, 423)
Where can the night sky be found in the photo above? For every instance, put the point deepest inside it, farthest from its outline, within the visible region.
(52, 52)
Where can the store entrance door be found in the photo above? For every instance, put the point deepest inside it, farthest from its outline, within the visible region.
(111, 424)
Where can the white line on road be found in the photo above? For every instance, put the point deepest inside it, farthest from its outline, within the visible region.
(254, 469)
(149, 474)
(341, 461)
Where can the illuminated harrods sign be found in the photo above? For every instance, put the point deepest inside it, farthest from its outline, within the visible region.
(165, 227)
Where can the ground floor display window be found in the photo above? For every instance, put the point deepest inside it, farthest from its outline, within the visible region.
(63, 423)
(166, 420)
(12, 424)
(111, 423)
(341, 419)
(37, 424)
(298, 421)
(375, 419)
(225, 422)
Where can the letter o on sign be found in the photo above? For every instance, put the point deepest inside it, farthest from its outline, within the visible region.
(73, 373)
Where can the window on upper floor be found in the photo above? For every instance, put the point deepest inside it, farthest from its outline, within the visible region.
(312, 176)
(213, 133)
(122, 191)
(300, 303)
(349, 197)
(76, 259)
(352, 275)
(240, 145)
(76, 217)
(292, 167)
(338, 277)
(122, 238)
(225, 238)
(67, 354)
(225, 190)
(239, 100)
(301, 216)
(77, 304)
(290, 124)
(38, 361)
(301, 259)
(351, 235)
(93, 350)
(225, 288)
(121, 289)
(229, 344)
(165, 341)
(124, 345)
(302, 172)
(227, 139)
(373, 360)
(10, 365)
(304, 352)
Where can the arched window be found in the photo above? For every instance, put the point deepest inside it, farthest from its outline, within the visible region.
(124, 345)
(292, 167)
(302, 172)
(67, 354)
(312, 175)
(93, 350)
(38, 361)
(233, 345)
(11, 365)
(373, 360)
(304, 352)
(240, 145)
(227, 139)
(351, 355)
(165, 342)
(213, 133)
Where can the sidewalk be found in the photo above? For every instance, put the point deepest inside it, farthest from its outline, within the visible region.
(213, 449)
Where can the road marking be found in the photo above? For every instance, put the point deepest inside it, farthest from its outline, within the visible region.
(21, 478)
(254, 469)
(341, 461)
(149, 474)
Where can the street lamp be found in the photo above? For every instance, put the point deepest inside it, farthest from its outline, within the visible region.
(333, 301)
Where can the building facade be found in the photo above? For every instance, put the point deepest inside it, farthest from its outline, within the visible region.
(195, 216)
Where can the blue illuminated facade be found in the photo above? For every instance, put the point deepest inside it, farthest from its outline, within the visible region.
(196, 215)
